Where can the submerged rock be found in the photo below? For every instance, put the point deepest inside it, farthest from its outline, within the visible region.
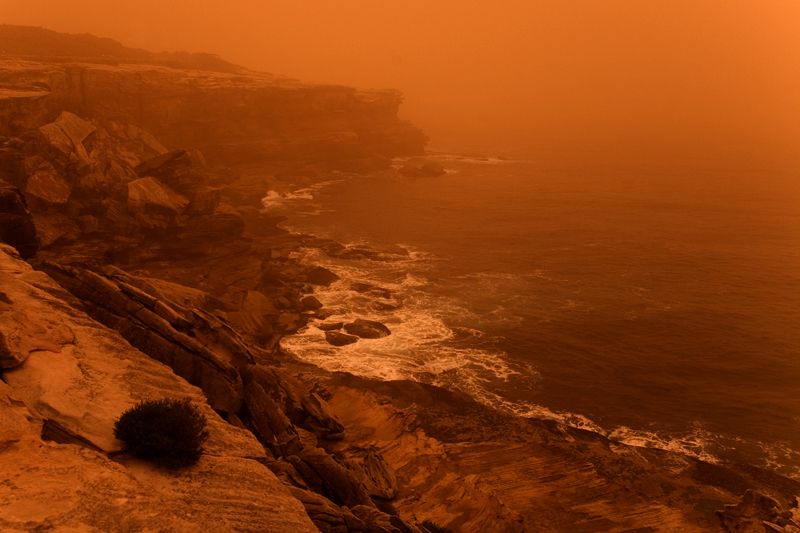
(321, 276)
(338, 338)
(367, 329)
(422, 168)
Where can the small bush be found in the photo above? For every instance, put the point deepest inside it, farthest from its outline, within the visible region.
(170, 432)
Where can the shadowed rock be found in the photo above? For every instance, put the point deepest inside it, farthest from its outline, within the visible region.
(367, 329)
(16, 222)
(338, 338)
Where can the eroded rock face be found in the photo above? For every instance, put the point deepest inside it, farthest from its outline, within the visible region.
(153, 203)
(72, 391)
(367, 329)
(16, 222)
(208, 357)
(242, 116)
(66, 135)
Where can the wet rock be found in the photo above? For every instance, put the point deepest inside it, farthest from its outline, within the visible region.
(329, 326)
(338, 338)
(320, 276)
(16, 222)
(422, 168)
(367, 329)
(375, 290)
(310, 303)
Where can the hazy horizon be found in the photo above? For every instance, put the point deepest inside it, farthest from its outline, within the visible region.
(699, 85)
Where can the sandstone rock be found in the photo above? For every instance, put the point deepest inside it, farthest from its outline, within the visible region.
(204, 201)
(329, 326)
(338, 338)
(182, 170)
(367, 329)
(321, 276)
(16, 222)
(80, 390)
(310, 303)
(67, 134)
(198, 346)
(45, 184)
(55, 226)
(224, 223)
(153, 203)
(422, 168)
(371, 289)
(755, 513)
(325, 476)
(301, 406)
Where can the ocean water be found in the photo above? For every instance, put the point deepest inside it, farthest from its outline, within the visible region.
(658, 309)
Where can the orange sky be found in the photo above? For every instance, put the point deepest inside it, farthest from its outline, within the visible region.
(711, 83)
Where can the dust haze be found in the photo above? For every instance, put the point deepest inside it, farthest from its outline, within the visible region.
(687, 83)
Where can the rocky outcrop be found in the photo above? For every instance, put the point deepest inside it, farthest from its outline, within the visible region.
(69, 391)
(367, 329)
(16, 222)
(759, 513)
(154, 204)
(422, 168)
(199, 347)
(337, 338)
(244, 116)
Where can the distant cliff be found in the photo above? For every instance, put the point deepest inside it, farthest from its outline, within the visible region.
(230, 113)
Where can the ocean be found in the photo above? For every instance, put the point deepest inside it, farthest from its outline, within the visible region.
(659, 309)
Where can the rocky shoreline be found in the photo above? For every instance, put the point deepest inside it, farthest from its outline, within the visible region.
(132, 271)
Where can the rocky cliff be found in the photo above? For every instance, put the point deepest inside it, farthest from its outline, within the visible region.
(230, 113)
(136, 267)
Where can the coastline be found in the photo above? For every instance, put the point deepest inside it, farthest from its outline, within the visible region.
(144, 257)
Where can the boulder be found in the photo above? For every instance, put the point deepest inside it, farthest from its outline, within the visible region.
(422, 168)
(204, 201)
(16, 222)
(183, 170)
(310, 303)
(320, 276)
(338, 338)
(329, 326)
(66, 135)
(44, 184)
(153, 203)
(367, 329)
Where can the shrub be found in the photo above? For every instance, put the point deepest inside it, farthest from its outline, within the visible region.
(170, 432)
